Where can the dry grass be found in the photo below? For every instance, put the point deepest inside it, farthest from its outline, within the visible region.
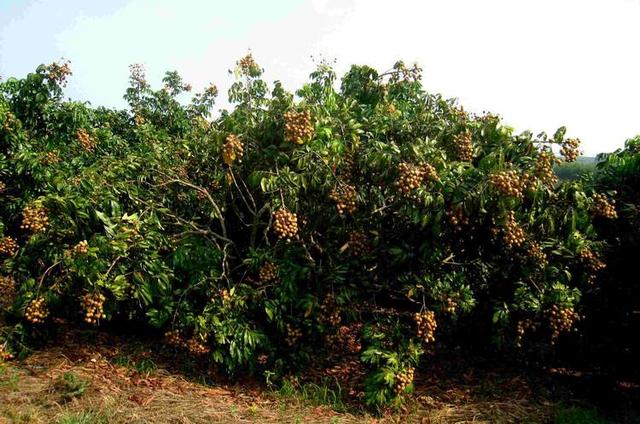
(135, 386)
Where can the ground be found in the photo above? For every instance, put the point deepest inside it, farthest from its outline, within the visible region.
(88, 377)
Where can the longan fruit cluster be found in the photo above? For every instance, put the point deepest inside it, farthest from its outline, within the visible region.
(569, 149)
(8, 246)
(345, 198)
(404, 380)
(268, 273)
(3, 186)
(457, 218)
(7, 291)
(561, 320)
(349, 371)
(225, 295)
(285, 224)
(82, 248)
(604, 207)
(428, 172)
(34, 218)
(591, 260)
(195, 346)
(537, 254)
(93, 305)
(346, 339)
(522, 327)
(426, 325)
(293, 334)
(247, 65)
(348, 166)
(139, 119)
(329, 311)
(232, 150)
(263, 359)
(51, 158)
(297, 127)
(513, 234)
(358, 243)
(5, 355)
(9, 121)
(450, 305)
(507, 183)
(36, 311)
(463, 146)
(528, 180)
(59, 72)
(87, 142)
(544, 168)
(409, 179)
(174, 338)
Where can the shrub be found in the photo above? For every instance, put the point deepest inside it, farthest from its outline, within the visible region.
(252, 238)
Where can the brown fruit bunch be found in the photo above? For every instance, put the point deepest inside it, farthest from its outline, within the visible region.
(404, 380)
(346, 339)
(297, 127)
(174, 338)
(463, 147)
(537, 254)
(426, 325)
(604, 207)
(58, 72)
(507, 183)
(9, 122)
(413, 176)
(348, 166)
(358, 243)
(544, 168)
(82, 248)
(87, 142)
(268, 273)
(345, 198)
(139, 119)
(248, 65)
(3, 186)
(410, 178)
(263, 359)
(329, 311)
(591, 260)
(34, 218)
(450, 305)
(522, 327)
(51, 158)
(8, 246)
(528, 180)
(232, 150)
(513, 234)
(457, 218)
(5, 355)
(293, 335)
(569, 149)
(7, 291)
(195, 346)
(93, 305)
(285, 224)
(561, 320)
(36, 311)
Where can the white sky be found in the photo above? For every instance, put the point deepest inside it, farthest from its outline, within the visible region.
(539, 64)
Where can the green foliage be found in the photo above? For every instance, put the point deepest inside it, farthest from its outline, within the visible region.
(69, 385)
(575, 415)
(370, 203)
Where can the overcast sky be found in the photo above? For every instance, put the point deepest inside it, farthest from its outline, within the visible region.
(538, 63)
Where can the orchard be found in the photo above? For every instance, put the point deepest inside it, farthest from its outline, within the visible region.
(357, 225)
